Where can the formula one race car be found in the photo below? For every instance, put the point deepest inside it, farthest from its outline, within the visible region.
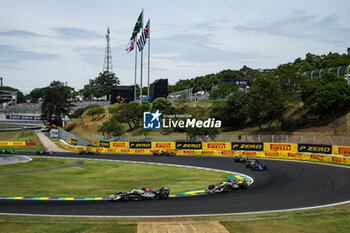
(89, 152)
(142, 194)
(6, 151)
(163, 153)
(45, 152)
(240, 158)
(255, 165)
(227, 186)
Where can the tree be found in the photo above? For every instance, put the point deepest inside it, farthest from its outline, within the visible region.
(327, 96)
(162, 104)
(146, 106)
(56, 103)
(103, 84)
(223, 89)
(267, 100)
(232, 111)
(130, 113)
(112, 127)
(36, 94)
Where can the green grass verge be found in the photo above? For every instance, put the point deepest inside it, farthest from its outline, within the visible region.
(338, 222)
(99, 178)
(21, 136)
(324, 223)
(10, 126)
(47, 227)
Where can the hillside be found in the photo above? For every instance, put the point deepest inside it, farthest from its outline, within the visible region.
(84, 126)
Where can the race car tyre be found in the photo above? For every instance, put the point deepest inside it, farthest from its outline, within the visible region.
(125, 197)
(164, 195)
(211, 186)
(243, 186)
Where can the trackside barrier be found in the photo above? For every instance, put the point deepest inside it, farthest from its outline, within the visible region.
(228, 146)
(264, 154)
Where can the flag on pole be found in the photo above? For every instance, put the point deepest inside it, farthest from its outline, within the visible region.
(143, 38)
(141, 41)
(138, 26)
(131, 45)
(146, 30)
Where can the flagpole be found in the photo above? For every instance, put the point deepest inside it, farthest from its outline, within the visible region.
(135, 46)
(141, 63)
(149, 52)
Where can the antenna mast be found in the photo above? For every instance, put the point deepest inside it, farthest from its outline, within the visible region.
(107, 66)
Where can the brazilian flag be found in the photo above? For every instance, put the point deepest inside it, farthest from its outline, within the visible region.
(138, 26)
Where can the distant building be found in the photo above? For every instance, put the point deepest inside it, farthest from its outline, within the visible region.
(8, 97)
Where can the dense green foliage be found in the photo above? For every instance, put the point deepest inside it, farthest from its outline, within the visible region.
(96, 111)
(56, 103)
(111, 127)
(100, 86)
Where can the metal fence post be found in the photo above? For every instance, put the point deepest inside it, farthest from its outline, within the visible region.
(301, 139)
(259, 138)
(286, 138)
(314, 139)
(342, 140)
(273, 138)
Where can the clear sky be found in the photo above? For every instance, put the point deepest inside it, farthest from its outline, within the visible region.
(42, 41)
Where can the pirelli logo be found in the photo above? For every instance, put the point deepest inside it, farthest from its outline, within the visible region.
(144, 145)
(216, 145)
(322, 149)
(281, 147)
(19, 143)
(338, 159)
(295, 155)
(163, 145)
(271, 154)
(344, 150)
(189, 145)
(317, 157)
(119, 144)
(248, 153)
(74, 142)
(205, 152)
(248, 146)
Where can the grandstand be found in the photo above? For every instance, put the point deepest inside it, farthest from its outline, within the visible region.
(8, 98)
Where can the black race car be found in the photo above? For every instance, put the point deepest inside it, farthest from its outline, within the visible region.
(240, 158)
(89, 152)
(45, 152)
(227, 186)
(141, 194)
(255, 165)
(163, 153)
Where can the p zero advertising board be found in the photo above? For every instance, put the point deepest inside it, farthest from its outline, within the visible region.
(189, 145)
(143, 145)
(311, 148)
(250, 146)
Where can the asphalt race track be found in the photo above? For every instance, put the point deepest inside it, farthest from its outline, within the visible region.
(285, 185)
